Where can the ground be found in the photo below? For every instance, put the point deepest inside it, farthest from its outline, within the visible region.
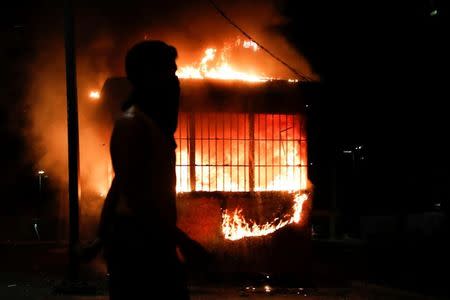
(340, 271)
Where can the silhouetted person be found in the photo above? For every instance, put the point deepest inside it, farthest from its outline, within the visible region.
(138, 221)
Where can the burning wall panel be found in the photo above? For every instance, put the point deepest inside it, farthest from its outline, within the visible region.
(241, 152)
(238, 139)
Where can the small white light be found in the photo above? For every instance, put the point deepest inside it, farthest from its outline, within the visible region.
(434, 13)
(348, 151)
(94, 95)
(267, 289)
(40, 172)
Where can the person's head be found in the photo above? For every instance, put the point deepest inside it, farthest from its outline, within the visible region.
(150, 67)
(150, 62)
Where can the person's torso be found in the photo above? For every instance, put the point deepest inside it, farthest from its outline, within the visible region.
(157, 168)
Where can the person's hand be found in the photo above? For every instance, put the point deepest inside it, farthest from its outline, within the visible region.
(194, 254)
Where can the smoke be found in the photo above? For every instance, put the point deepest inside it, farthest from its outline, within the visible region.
(47, 133)
(191, 26)
(204, 27)
(104, 32)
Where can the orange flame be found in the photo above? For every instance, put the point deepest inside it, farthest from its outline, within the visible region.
(235, 227)
(287, 151)
(214, 66)
(293, 179)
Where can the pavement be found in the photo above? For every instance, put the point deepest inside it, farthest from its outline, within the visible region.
(341, 270)
(355, 291)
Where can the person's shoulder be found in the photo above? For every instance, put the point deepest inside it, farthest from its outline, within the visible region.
(134, 121)
(126, 122)
(127, 118)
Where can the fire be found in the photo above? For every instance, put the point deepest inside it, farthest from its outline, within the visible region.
(235, 227)
(222, 149)
(94, 95)
(216, 65)
(182, 171)
(250, 44)
(222, 163)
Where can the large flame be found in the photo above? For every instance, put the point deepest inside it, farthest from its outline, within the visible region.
(222, 156)
(292, 179)
(236, 227)
(216, 65)
(222, 143)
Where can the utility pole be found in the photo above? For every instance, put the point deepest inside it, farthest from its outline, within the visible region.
(72, 134)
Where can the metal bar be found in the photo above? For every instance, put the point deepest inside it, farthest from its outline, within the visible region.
(192, 162)
(265, 152)
(215, 152)
(245, 151)
(187, 163)
(72, 134)
(280, 170)
(251, 151)
(179, 159)
(292, 167)
(300, 148)
(223, 151)
(258, 131)
(201, 152)
(270, 140)
(185, 142)
(209, 151)
(273, 149)
(230, 138)
(287, 148)
(238, 153)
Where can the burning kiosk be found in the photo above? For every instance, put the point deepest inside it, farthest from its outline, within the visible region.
(242, 181)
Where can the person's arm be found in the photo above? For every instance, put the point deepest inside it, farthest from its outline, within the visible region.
(88, 252)
(131, 156)
(108, 210)
(194, 254)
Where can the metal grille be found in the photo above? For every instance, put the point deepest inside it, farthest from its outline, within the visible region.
(182, 137)
(280, 152)
(240, 152)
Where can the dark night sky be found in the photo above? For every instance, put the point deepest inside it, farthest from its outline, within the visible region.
(383, 64)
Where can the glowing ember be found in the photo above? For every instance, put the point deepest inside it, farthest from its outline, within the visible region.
(94, 95)
(250, 44)
(235, 227)
(216, 65)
